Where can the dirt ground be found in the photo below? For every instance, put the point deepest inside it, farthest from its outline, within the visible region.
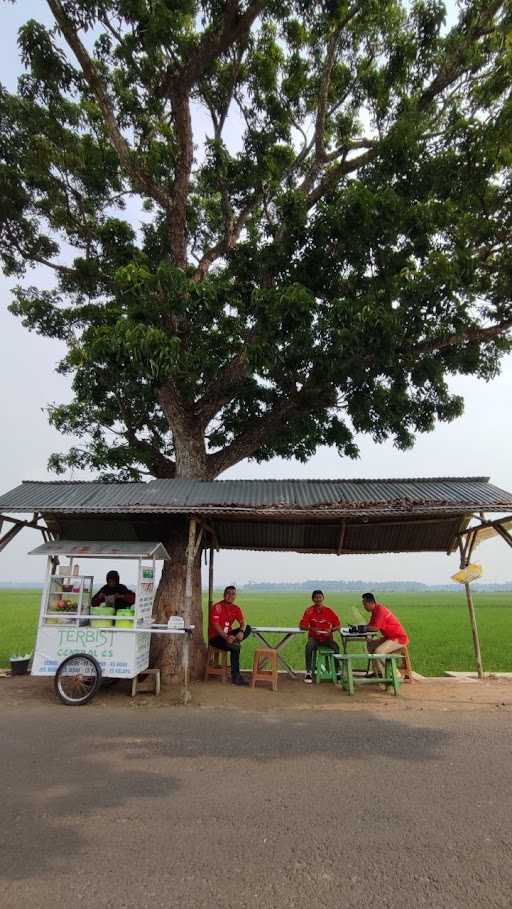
(446, 694)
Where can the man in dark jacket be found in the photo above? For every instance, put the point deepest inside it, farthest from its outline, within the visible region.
(121, 596)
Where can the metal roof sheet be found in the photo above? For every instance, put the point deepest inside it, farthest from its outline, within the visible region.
(95, 549)
(429, 494)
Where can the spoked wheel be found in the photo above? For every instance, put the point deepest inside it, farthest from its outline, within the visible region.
(77, 679)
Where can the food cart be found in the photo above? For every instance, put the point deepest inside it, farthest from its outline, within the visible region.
(80, 645)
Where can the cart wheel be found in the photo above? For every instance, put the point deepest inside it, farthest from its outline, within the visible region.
(77, 679)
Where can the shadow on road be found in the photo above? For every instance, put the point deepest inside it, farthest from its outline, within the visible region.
(81, 764)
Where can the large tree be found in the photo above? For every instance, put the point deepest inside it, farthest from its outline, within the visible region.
(271, 225)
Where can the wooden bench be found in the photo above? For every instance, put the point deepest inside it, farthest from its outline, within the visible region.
(348, 680)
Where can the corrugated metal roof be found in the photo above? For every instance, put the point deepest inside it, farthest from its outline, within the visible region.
(45, 496)
(100, 549)
(421, 495)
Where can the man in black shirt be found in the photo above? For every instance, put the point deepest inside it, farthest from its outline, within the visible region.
(122, 597)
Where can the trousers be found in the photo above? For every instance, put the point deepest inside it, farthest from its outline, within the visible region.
(233, 649)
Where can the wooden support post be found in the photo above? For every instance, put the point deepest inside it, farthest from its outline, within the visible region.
(210, 579)
(341, 539)
(7, 537)
(472, 617)
(474, 631)
(504, 534)
(187, 697)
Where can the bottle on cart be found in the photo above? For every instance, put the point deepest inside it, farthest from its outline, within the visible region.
(76, 572)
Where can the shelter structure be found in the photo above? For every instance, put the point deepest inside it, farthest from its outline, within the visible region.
(342, 517)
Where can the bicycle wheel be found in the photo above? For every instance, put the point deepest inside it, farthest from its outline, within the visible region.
(77, 679)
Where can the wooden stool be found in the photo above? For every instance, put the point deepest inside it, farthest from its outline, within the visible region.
(405, 664)
(216, 664)
(264, 675)
(150, 681)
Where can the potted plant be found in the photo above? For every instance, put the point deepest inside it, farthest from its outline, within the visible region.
(19, 663)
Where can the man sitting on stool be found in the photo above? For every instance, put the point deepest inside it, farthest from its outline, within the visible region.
(394, 635)
(222, 635)
(320, 622)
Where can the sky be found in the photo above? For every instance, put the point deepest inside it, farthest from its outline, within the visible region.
(478, 444)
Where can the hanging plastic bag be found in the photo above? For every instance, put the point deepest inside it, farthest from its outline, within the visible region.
(472, 572)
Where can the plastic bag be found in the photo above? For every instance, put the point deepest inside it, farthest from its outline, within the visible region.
(468, 574)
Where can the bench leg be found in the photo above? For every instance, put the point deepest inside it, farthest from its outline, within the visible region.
(393, 675)
(350, 678)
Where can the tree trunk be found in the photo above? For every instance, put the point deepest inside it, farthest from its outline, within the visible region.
(166, 650)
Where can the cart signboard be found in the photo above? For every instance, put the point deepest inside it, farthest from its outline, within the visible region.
(120, 654)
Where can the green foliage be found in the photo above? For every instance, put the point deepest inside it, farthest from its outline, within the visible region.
(320, 273)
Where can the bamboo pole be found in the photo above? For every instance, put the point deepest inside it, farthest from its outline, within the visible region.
(210, 579)
(472, 616)
(187, 696)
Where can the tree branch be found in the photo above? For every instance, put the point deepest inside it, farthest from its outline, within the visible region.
(221, 391)
(141, 180)
(235, 27)
(178, 213)
(455, 67)
(468, 336)
(227, 243)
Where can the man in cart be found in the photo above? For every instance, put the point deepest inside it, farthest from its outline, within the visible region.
(222, 635)
(114, 592)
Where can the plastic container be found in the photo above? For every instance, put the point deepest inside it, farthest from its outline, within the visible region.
(103, 611)
(19, 665)
(125, 623)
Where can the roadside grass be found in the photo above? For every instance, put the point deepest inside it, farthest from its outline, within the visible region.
(437, 623)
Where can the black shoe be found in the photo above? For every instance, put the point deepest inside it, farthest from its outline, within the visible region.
(238, 680)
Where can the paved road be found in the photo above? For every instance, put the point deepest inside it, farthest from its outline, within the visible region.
(115, 807)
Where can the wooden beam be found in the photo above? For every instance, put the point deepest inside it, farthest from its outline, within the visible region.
(187, 697)
(485, 524)
(210, 578)
(472, 618)
(343, 530)
(198, 541)
(504, 534)
(213, 533)
(7, 537)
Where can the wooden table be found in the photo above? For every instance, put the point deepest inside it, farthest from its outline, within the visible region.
(286, 634)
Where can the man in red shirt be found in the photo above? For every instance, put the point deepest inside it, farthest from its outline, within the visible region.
(394, 635)
(320, 622)
(221, 633)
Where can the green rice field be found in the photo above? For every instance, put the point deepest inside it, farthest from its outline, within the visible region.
(437, 623)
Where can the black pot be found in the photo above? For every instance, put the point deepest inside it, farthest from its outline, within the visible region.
(20, 667)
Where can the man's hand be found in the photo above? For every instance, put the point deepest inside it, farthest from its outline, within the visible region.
(230, 639)
(239, 636)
